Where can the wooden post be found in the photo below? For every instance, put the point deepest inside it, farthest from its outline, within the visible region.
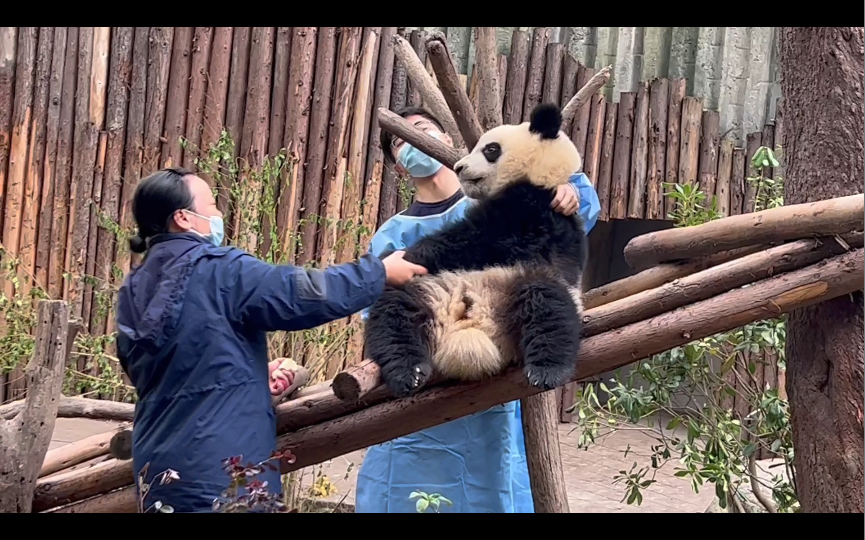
(543, 453)
(24, 439)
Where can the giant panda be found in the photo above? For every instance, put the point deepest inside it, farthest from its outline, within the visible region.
(504, 282)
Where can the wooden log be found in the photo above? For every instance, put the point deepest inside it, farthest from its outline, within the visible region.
(60, 211)
(121, 501)
(599, 354)
(709, 154)
(577, 104)
(546, 476)
(21, 120)
(424, 84)
(216, 94)
(8, 60)
(689, 153)
(659, 103)
(715, 280)
(112, 177)
(334, 181)
(26, 436)
(620, 180)
(89, 314)
(319, 124)
(297, 129)
(276, 124)
(254, 141)
(356, 382)
(178, 96)
(429, 145)
(605, 169)
(737, 182)
(375, 188)
(659, 275)
(76, 407)
(678, 89)
(454, 93)
(833, 216)
(78, 452)
(36, 154)
(570, 71)
(553, 73)
(515, 85)
(639, 155)
(49, 172)
(390, 200)
(158, 67)
(725, 170)
(535, 71)
(134, 147)
(486, 66)
(580, 128)
(752, 145)
(235, 103)
(778, 138)
(202, 40)
(68, 487)
(503, 77)
(594, 141)
(413, 95)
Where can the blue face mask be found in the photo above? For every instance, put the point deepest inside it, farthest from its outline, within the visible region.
(217, 232)
(418, 164)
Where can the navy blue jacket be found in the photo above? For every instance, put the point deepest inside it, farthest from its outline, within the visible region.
(192, 322)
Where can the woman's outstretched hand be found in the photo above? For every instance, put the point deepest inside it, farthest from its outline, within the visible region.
(399, 270)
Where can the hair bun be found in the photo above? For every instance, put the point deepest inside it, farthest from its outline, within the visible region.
(137, 244)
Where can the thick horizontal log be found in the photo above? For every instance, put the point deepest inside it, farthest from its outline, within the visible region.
(715, 280)
(78, 452)
(822, 218)
(429, 145)
(121, 501)
(73, 486)
(599, 354)
(658, 275)
(73, 407)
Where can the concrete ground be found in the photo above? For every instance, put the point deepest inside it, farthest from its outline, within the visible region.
(588, 473)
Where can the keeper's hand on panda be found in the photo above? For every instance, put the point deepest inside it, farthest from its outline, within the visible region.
(399, 270)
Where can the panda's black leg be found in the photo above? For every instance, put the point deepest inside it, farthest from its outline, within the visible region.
(397, 338)
(549, 327)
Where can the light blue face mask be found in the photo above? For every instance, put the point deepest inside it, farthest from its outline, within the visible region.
(418, 164)
(217, 232)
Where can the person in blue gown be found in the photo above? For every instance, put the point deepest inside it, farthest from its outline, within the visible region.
(478, 462)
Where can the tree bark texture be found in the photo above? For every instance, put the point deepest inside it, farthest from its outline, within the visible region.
(822, 70)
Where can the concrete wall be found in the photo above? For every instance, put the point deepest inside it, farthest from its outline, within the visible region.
(734, 69)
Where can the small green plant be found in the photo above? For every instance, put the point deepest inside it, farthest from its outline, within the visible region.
(425, 501)
(690, 205)
(769, 192)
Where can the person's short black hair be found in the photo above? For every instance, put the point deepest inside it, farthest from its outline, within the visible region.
(386, 137)
(156, 199)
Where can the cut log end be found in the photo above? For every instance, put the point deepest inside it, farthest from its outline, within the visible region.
(120, 446)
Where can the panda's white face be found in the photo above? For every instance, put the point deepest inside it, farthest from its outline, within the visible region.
(510, 153)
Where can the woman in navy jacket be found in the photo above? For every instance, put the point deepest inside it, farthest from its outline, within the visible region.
(192, 322)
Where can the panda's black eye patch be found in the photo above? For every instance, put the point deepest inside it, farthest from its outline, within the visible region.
(492, 152)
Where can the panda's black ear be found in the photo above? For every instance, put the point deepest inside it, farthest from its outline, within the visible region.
(546, 120)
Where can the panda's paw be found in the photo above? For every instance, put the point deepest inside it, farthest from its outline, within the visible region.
(549, 377)
(407, 382)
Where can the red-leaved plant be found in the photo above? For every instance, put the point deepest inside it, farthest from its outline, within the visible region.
(246, 493)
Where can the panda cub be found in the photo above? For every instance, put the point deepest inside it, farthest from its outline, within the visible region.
(504, 282)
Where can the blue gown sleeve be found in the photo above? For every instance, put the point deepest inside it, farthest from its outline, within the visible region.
(590, 205)
(288, 298)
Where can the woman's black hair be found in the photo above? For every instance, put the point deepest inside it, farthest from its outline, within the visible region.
(386, 137)
(156, 199)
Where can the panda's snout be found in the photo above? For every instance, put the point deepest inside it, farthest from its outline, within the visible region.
(459, 168)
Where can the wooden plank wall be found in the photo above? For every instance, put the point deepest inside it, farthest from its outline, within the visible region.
(85, 112)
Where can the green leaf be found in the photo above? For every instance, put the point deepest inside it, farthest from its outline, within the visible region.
(633, 496)
(415, 495)
(422, 505)
(446, 500)
(674, 423)
(749, 449)
(776, 444)
(681, 474)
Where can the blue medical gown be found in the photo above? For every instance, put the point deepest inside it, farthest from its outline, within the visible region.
(478, 461)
